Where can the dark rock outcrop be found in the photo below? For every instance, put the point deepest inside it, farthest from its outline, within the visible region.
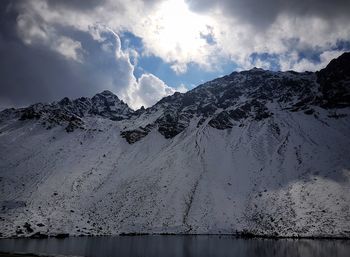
(334, 83)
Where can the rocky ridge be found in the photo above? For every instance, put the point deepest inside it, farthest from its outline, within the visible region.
(221, 103)
(70, 113)
(242, 96)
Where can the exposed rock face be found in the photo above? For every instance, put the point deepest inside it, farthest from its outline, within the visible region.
(108, 105)
(135, 135)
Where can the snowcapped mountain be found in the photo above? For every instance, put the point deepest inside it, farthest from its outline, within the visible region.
(256, 151)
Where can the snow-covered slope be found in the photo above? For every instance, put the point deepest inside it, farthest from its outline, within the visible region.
(255, 151)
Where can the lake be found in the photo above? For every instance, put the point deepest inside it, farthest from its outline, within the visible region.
(168, 246)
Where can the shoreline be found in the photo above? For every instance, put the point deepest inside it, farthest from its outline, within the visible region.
(9, 254)
(234, 236)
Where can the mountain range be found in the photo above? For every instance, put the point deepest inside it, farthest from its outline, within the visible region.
(255, 152)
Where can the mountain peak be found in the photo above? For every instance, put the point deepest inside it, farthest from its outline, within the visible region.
(107, 92)
(334, 82)
(64, 101)
(108, 105)
(342, 63)
(257, 69)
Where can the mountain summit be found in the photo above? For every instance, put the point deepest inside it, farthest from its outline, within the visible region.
(71, 112)
(255, 151)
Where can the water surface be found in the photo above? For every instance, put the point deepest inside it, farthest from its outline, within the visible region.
(168, 246)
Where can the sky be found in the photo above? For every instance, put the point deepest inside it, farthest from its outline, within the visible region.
(143, 50)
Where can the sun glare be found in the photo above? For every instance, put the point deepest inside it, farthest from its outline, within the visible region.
(181, 29)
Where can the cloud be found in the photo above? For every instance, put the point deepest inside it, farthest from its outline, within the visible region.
(182, 88)
(176, 41)
(52, 49)
(276, 27)
(148, 90)
(179, 68)
(205, 32)
(293, 62)
(93, 60)
(32, 31)
(262, 14)
(75, 4)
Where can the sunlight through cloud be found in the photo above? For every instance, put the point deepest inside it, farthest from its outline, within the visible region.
(178, 34)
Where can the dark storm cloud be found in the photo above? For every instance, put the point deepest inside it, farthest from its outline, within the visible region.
(85, 5)
(35, 73)
(76, 4)
(51, 51)
(262, 13)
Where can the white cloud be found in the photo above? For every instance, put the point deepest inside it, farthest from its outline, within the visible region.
(173, 32)
(68, 48)
(293, 62)
(179, 36)
(149, 90)
(285, 35)
(182, 88)
(146, 90)
(179, 68)
(33, 32)
(168, 28)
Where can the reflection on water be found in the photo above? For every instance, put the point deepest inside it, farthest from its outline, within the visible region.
(178, 246)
